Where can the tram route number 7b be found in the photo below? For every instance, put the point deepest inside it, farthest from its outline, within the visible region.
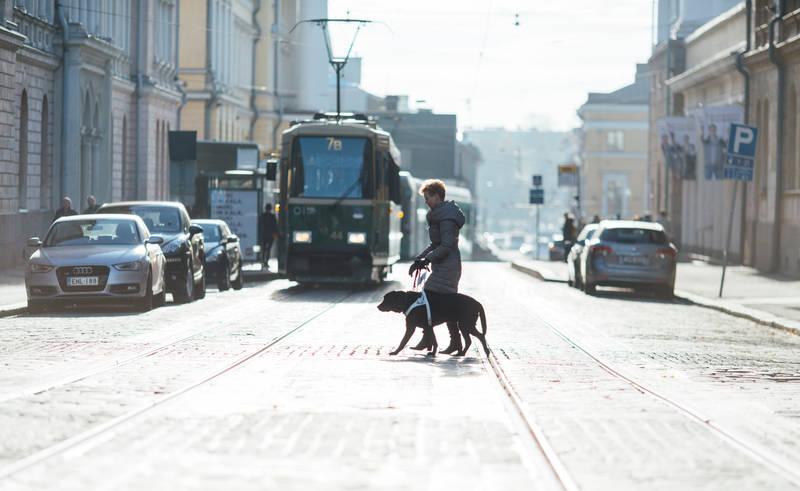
(334, 144)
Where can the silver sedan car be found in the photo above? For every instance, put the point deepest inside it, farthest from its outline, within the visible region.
(96, 258)
(629, 254)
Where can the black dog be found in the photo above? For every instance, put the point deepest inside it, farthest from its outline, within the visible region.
(457, 307)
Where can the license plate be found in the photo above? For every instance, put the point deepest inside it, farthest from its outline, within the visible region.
(635, 260)
(83, 281)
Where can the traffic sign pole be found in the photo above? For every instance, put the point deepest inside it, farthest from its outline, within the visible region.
(728, 239)
(740, 166)
(536, 245)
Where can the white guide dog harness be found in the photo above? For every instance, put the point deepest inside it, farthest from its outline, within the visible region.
(419, 283)
(419, 302)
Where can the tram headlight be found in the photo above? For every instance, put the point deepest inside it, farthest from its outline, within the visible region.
(356, 238)
(301, 237)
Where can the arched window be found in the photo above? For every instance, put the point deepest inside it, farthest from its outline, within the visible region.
(45, 170)
(22, 175)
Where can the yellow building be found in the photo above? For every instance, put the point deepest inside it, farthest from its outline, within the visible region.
(613, 155)
(233, 55)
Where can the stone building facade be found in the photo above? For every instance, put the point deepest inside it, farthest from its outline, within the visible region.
(88, 97)
(613, 153)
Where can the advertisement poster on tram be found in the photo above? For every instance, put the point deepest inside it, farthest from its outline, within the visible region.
(239, 209)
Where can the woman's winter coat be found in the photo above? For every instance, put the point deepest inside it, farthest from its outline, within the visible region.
(444, 223)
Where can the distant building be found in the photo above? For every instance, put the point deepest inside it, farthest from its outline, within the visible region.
(508, 160)
(613, 153)
(427, 141)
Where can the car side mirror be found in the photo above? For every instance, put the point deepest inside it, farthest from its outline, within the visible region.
(581, 242)
(232, 239)
(34, 242)
(195, 229)
(154, 239)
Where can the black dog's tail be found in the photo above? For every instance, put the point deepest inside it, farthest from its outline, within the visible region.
(483, 320)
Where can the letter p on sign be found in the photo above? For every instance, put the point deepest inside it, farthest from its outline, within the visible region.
(742, 136)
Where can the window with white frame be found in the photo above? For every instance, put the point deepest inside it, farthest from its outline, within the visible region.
(615, 140)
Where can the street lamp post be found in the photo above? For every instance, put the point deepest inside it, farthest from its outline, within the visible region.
(337, 60)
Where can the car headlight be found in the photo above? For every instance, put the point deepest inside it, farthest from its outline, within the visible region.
(356, 238)
(40, 268)
(301, 236)
(131, 266)
(171, 247)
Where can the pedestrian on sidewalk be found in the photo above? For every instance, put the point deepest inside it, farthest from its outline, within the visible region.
(569, 232)
(445, 219)
(91, 205)
(269, 232)
(65, 210)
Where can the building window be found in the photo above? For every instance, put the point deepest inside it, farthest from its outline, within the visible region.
(22, 173)
(45, 170)
(615, 141)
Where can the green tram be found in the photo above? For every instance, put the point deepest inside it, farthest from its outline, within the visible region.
(339, 207)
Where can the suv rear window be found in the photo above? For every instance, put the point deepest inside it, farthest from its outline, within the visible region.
(634, 236)
(159, 219)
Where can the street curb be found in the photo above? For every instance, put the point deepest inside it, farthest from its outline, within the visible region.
(536, 274)
(757, 316)
(14, 309)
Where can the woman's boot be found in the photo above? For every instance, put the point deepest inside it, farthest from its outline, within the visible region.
(455, 339)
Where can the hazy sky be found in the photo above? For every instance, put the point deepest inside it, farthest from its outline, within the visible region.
(468, 57)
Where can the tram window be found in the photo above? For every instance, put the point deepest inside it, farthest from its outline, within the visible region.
(332, 167)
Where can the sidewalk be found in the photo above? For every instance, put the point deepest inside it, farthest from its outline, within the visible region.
(772, 300)
(13, 299)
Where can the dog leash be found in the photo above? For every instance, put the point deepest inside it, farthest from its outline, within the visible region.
(418, 280)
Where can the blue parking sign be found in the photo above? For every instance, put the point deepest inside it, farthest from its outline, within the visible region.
(742, 143)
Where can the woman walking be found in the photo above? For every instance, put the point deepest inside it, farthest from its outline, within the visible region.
(445, 219)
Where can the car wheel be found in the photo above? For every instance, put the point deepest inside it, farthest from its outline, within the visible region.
(185, 292)
(160, 299)
(224, 280)
(239, 281)
(667, 292)
(145, 304)
(200, 288)
(589, 288)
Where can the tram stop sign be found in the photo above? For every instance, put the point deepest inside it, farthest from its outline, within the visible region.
(741, 153)
(536, 196)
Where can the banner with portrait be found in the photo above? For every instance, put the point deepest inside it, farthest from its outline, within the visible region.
(677, 138)
(713, 126)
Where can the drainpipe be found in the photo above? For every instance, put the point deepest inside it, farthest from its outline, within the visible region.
(211, 76)
(740, 67)
(178, 81)
(62, 22)
(277, 96)
(775, 59)
(253, 106)
(140, 158)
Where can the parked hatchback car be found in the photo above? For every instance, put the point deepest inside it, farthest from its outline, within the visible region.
(629, 254)
(223, 254)
(182, 244)
(574, 257)
(96, 258)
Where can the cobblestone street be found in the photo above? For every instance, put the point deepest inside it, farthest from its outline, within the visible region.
(283, 387)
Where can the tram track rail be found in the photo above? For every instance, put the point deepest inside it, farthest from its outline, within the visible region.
(533, 430)
(163, 343)
(100, 430)
(727, 435)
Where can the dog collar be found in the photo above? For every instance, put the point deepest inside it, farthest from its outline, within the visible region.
(419, 302)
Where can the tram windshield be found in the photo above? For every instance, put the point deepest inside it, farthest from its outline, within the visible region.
(331, 167)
